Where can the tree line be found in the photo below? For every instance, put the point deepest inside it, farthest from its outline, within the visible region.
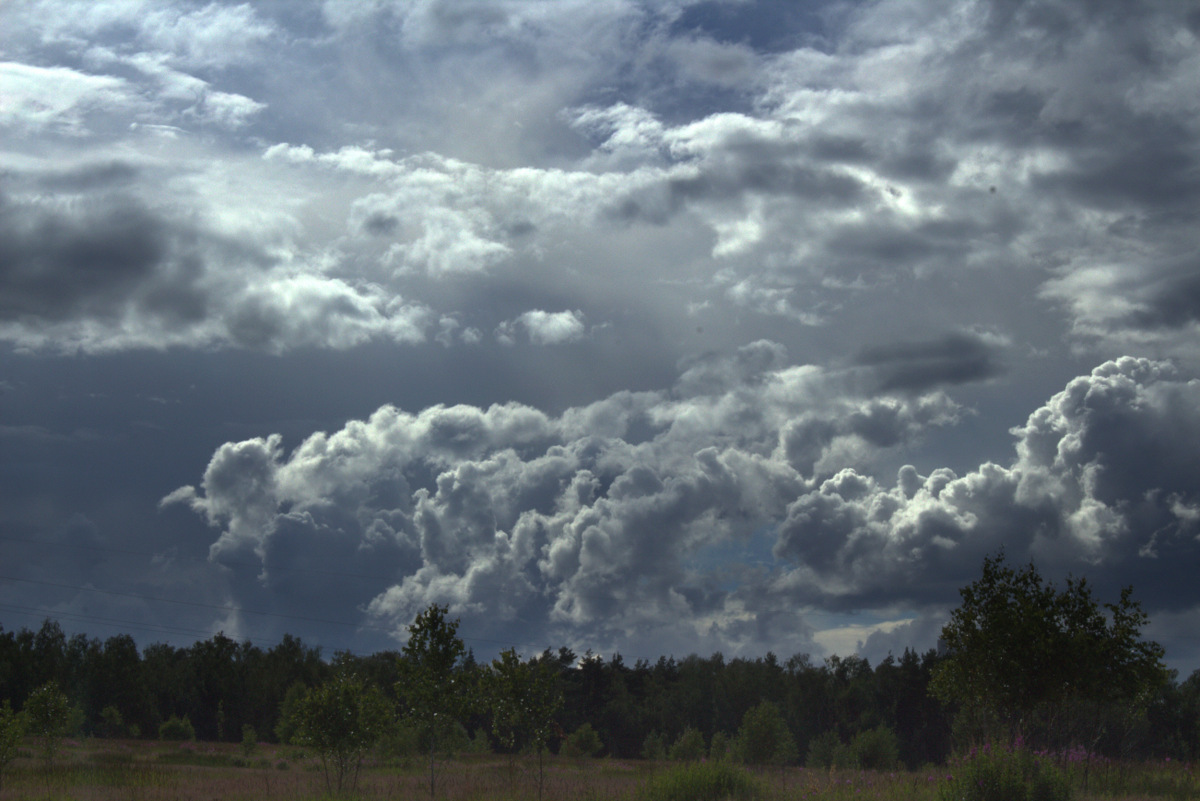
(1023, 681)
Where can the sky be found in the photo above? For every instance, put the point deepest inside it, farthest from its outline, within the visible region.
(638, 326)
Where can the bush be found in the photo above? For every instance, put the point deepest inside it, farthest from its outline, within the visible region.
(689, 747)
(175, 728)
(826, 751)
(1005, 775)
(653, 747)
(764, 737)
(876, 749)
(584, 741)
(47, 718)
(249, 740)
(705, 781)
(718, 749)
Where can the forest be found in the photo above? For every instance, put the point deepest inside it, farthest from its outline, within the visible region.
(221, 686)
(1023, 664)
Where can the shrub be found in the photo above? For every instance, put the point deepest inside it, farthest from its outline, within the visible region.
(653, 747)
(175, 728)
(249, 740)
(689, 747)
(1005, 775)
(719, 747)
(47, 718)
(825, 751)
(705, 781)
(584, 741)
(875, 749)
(12, 731)
(764, 737)
(111, 723)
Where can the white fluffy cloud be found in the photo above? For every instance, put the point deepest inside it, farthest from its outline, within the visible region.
(1101, 483)
(606, 519)
(608, 523)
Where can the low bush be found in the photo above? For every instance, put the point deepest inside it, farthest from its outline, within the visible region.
(704, 781)
(174, 728)
(876, 749)
(1001, 774)
(689, 747)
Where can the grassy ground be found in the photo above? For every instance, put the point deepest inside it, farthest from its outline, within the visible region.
(100, 770)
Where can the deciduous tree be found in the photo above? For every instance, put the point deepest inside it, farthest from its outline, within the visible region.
(1019, 649)
(436, 692)
(341, 719)
(47, 716)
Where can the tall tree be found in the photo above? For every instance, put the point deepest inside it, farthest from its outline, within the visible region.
(1020, 649)
(433, 687)
(524, 698)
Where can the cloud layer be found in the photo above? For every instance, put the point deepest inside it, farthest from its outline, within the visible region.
(642, 519)
(690, 325)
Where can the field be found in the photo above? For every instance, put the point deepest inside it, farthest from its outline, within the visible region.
(99, 770)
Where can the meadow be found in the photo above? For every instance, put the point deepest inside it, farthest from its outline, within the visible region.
(99, 770)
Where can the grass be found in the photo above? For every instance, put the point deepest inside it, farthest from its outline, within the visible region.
(105, 770)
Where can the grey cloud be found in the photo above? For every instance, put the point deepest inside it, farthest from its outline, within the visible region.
(55, 265)
(1171, 301)
(954, 358)
(1101, 484)
(589, 521)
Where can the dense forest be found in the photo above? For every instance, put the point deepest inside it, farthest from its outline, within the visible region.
(221, 686)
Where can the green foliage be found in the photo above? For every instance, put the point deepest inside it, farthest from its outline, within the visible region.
(285, 729)
(875, 749)
(1018, 647)
(653, 747)
(689, 747)
(342, 719)
(719, 747)
(176, 728)
(1004, 775)
(249, 740)
(47, 718)
(584, 741)
(827, 750)
(435, 690)
(523, 699)
(111, 722)
(707, 781)
(764, 738)
(12, 732)
(400, 741)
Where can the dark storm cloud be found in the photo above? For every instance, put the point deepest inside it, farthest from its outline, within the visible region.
(954, 358)
(55, 265)
(1174, 302)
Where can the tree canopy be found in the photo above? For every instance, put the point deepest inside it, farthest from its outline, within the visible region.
(1019, 649)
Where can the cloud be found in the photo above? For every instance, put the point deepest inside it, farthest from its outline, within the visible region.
(55, 98)
(580, 528)
(954, 358)
(600, 521)
(1099, 485)
(108, 271)
(544, 328)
